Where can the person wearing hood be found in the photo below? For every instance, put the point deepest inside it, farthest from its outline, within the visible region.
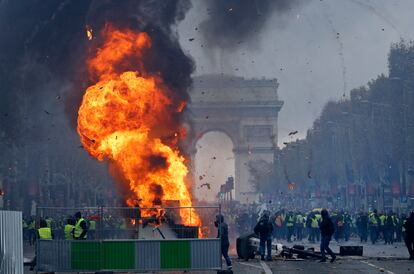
(264, 228)
(409, 234)
(327, 229)
(223, 234)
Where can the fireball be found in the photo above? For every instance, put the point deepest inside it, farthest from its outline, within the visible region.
(123, 119)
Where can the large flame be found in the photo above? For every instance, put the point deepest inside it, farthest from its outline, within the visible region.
(124, 117)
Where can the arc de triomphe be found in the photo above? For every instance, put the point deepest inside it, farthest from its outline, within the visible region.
(244, 109)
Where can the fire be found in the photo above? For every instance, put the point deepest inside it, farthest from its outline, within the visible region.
(125, 117)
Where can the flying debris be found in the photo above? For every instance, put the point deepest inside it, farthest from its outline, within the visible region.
(285, 143)
(293, 133)
(191, 39)
(47, 112)
(214, 158)
(206, 185)
(200, 177)
(309, 174)
(89, 32)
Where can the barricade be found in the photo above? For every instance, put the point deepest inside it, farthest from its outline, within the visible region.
(11, 242)
(132, 239)
(128, 255)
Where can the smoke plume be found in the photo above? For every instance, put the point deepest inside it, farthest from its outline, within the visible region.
(233, 22)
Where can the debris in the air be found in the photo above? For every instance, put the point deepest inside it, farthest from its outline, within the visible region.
(206, 184)
(191, 39)
(58, 97)
(309, 174)
(293, 133)
(47, 112)
(214, 158)
(285, 143)
(206, 117)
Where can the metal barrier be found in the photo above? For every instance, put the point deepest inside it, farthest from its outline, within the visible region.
(128, 255)
(11, 242)
(136, 223)
(132, 239)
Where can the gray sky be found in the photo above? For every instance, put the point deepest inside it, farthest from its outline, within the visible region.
(309, 49)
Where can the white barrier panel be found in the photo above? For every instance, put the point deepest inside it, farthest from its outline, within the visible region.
(11, 242)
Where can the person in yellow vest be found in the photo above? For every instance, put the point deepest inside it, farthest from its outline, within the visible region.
(300, 220)
(80, 231)
(25, 230)
(32, 231)
(43, 233)
(382, 218)
(92, 229)
(290, 222)
(374, 226)
(314, 224)
(68, 229)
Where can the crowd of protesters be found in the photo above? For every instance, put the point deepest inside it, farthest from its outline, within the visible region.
(292, 225)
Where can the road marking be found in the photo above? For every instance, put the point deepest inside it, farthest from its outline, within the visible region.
(251, 265)
(377, 267)
(266, 268)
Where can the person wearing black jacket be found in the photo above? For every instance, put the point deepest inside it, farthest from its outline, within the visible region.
(409, 234)
(223, 235)
(327, 230)
(264, 228)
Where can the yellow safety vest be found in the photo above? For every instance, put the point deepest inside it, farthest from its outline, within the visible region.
(45, 233)
(382, 219)
(290, 221)
(314, 222)
(78, 229)
(68, 231)
(32, 225)
(92, 225)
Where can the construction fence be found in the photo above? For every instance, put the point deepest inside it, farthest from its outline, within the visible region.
(128, 255)
(11, 242)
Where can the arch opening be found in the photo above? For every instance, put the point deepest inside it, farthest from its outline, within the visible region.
(214, 163)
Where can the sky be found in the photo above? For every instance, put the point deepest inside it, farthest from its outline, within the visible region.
(318, 51)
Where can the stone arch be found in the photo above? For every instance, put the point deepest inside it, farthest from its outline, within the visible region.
(245, 110)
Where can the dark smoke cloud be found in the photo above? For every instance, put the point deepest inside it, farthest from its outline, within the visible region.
(232, 22)
(43, 75)
(44, 41)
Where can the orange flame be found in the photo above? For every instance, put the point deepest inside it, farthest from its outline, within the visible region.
(122, 117)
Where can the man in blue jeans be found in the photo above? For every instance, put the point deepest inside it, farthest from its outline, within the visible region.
(223, 234)
(327, 229)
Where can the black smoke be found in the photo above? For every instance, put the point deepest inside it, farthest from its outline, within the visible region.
(233, 22)
(43, 76)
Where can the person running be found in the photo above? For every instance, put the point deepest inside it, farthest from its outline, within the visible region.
(327, 229)
(409, 235)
